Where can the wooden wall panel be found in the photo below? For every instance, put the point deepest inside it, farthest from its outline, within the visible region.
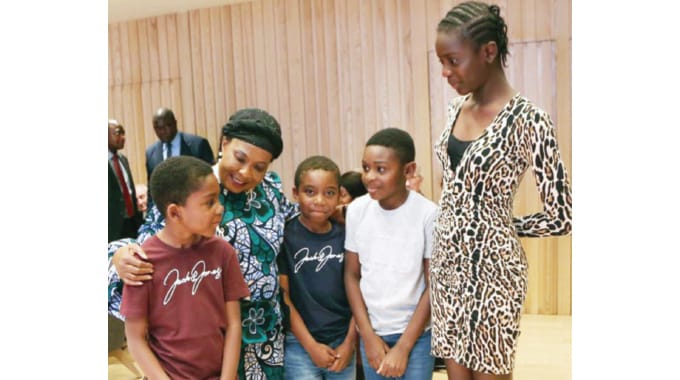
(333, 72)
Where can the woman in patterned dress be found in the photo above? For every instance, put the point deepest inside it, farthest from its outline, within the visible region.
(493, 135)
(255, 211)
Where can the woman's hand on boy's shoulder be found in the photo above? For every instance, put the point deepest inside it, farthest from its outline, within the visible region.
(131, 269)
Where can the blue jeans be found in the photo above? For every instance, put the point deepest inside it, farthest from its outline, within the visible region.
(420, 362)
(298, 365)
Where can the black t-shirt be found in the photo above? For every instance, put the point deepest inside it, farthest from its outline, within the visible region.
(314, 264)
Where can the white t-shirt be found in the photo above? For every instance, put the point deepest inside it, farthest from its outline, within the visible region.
(391, 245)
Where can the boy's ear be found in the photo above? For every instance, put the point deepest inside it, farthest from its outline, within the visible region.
(295, 193)
(410, 169)
(172, 211)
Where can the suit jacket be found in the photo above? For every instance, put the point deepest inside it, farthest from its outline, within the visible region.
(117, 211)
(189, 145)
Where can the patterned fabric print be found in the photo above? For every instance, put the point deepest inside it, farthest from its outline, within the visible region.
(478, 277)
(253, 223)
(262, 360)
(115, 288)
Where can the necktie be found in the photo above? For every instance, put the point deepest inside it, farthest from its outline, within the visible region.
(168, 150)
(123, 185)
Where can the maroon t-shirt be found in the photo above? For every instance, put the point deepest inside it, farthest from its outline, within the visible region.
(185, 304)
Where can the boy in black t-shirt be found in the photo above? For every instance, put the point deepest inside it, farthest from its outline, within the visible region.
(322, 337)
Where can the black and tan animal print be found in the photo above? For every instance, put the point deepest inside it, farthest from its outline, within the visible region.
(478, 268)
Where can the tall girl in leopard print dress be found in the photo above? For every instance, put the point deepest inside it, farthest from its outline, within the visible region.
(493, 135)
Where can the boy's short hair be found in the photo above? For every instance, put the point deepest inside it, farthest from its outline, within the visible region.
(174, 179)
(398, 140)
(351, 181)
(316, 162)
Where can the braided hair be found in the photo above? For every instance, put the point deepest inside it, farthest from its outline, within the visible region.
(479, 23)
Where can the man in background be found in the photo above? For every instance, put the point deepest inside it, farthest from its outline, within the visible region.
(173, 143)
(124, 214)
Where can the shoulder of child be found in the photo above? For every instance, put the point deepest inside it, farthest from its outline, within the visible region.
(152, 246)
(424, 203)
(359, 203)
(220, 243)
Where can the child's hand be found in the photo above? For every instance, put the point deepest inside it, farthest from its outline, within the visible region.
(322, 355)
(395, 362)
(345, 354)
(376, 348)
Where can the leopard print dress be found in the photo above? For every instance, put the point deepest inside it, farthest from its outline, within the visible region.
(478, 278)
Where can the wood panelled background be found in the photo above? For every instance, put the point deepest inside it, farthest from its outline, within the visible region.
(333, 72)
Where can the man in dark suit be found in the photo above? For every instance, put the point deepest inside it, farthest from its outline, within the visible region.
(124, 219)
(124, 216)
(173, 143)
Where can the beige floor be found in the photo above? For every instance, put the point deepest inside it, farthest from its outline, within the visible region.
(544, 352)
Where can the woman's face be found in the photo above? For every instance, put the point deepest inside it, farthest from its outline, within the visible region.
(243, 165)
(463, 65)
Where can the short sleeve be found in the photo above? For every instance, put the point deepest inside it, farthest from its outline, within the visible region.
(429, 233)
(135, 300)
(282, 260)
(351, 220)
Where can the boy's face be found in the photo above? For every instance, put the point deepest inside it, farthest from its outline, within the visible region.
(202, 211)
(383, 175)
(318, 195)
(243, 165)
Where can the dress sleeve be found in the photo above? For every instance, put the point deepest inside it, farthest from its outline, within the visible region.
(287, 208)
(551, 180)
(154, 222)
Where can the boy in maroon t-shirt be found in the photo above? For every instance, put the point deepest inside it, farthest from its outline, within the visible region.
(185, 323)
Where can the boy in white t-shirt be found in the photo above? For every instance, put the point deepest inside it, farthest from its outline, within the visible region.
(387, 253)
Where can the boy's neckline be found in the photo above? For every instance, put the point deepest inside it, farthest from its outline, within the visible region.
(401, 203)
(316, 230)
(171, 241)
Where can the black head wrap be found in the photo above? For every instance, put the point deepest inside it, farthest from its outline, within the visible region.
(257, 127)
